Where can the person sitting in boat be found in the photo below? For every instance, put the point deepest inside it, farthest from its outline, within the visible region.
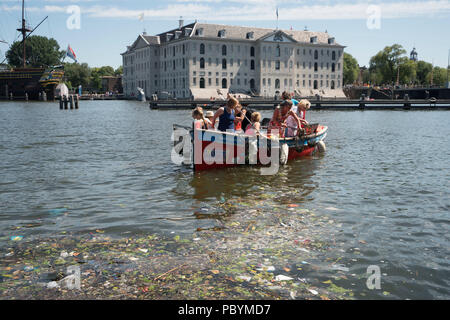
(287, 96)
(300, 111)
(226, 114)
(200, 122)
(281, 113)
(253, 128)
(209, 118)
(239, 118)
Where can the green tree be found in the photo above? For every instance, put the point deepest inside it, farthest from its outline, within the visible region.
(422, 70)
(407, 71)
(439, 76)
(351, 69)
(97, 74)
(40, 52)
(77, 74)
(118, 71)
(385, 63)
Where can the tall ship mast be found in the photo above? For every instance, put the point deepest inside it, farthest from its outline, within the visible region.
(29, 82)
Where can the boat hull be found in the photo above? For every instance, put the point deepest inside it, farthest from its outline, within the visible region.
(215, 150)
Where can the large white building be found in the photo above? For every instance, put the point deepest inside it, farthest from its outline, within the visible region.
(201, 60)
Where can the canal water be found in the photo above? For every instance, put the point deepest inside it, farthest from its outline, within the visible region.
(383, 185)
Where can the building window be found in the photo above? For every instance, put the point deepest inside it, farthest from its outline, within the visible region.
(333, 55)
(224, 83)
(184, 64)
(264, 82)
(285, 82)
(316, 54)
(332, 84)
(194, 81)
(202, 63)
(252, 65)
(184, 49)
(333, 67)
(316, 67)
(224, 50)
(209, 62)
(277, 65)
(202, 48)
(252, 84)
(194, 61)
(224, 64)
(217, 81)
(252, 51)
(277, 83)
(278, 51)
(202, 83)
(315, 84)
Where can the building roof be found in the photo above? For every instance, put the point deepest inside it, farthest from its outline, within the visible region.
(207, 30)
(240, 33)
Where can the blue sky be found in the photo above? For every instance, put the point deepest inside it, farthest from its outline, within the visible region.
(107, 27)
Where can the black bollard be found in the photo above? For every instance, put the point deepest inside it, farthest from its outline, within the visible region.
(407, 104)
(66, 102)
(77, 100)
(71, 102)
(61, 105)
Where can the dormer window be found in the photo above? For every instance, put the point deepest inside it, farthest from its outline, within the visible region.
(331, 41)
(168, 36)
(187, 31)
(221, 33)
(250, 35)
(177, 34)
(199, 32)
(313, 39)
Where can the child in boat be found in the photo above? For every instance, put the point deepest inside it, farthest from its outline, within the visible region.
(226, 114)
(239, 118)
(300, 111)
(200, 122)
(209, 119)
(280, 115)
(254, 127)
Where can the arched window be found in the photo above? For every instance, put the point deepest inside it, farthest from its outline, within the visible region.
(184, 49)
(333, 55)
(202, 48)
(202, 63)
(333, 67)
(278, 51)
(202, 83)
(252, 84)
(224, 83)
(252, 65)
(316, 85)
(277, 83)
(252, 51)
(316, 67)
(224, 64)
(224, 50)
(332, 84)
(316, 54)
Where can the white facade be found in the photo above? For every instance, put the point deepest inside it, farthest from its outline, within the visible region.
(203, 60)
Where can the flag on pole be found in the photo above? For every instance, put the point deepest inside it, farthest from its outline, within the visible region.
(71, 54)
(141, 17)
(277, 12)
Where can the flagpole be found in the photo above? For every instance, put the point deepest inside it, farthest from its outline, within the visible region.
(277, 18)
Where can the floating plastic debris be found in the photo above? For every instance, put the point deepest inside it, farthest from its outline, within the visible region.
(281, 277)
(16, 238)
